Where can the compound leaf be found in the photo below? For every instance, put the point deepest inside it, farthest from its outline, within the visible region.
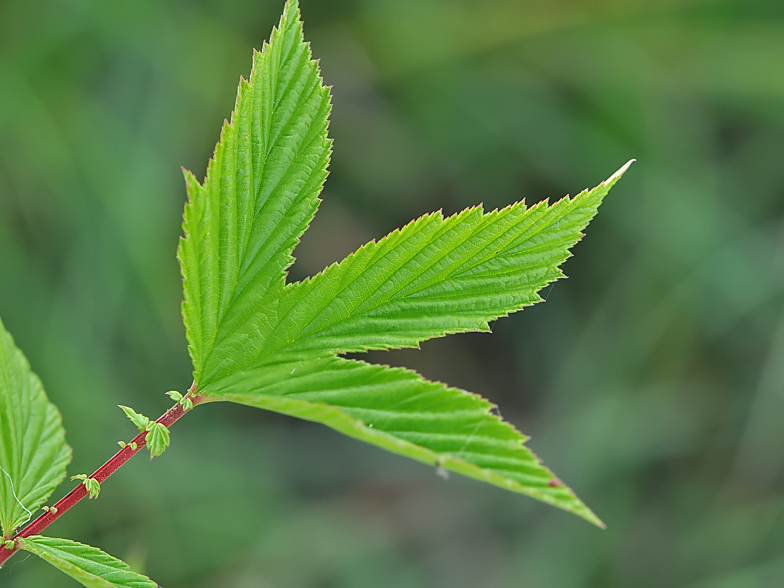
(88, 565)
(33, 451)
(256, 340)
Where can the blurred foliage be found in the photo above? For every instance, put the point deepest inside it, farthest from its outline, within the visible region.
(652, 380)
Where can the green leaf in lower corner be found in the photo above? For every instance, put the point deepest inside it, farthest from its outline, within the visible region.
(88, 565)
(33, 451)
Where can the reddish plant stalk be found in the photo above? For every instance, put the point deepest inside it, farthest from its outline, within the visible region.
(168, 418)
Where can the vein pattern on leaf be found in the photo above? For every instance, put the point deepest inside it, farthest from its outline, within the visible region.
(256, 340)
(88, 565)
(260, 194)
(402, 412)
(33, 451)
(434, 277)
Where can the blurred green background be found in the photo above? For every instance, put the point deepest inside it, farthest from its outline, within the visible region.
(652, 380)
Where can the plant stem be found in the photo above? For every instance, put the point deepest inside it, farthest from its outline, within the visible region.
(168, 418)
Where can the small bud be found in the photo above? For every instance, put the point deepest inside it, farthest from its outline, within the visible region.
(158, 439)
(134, 446)
(122, 444)
(185, 401)
(139, 420)
(174, 395)
(9, 545)
(45, 508)
(53, 510)
(92, 485)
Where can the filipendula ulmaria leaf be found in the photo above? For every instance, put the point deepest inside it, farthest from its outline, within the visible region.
(257, 341)
(33, 451)
(88, 565)
(260, 193)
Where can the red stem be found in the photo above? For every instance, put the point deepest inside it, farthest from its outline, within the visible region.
(170, 417)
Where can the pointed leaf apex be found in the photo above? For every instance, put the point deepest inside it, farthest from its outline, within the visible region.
(139, 420)
(617, 175)
(189, 175)
(291, 6)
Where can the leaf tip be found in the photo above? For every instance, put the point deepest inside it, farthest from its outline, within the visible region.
(292, 6)
(617, 175)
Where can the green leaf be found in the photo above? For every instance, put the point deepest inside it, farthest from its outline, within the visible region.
(158, 439)
(88, 565)
(185, 401)
(33, 451)
(260, 194)
(402, 412)
(434, 277)
(175, 395)
(139, 421)
(256, 340)
(92, 485)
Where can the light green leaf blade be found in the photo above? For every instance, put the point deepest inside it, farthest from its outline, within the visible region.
(33, 451)
(88, 565)
(158, 439)
(434, 277)
(398, 410)
(251, 336)
(260, 194)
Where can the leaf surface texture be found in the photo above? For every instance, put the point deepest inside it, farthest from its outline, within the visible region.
(400, 411)
(257, 340)
(88, 565)
(260, 194)
(434, 277)
(33, 451)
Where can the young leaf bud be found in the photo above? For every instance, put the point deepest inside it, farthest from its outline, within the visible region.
(139, 420)
(184, 401)
(158, 439)
(92, 485)
(174, 395)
